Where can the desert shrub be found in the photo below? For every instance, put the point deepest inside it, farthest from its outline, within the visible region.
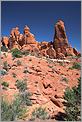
(13, 111)
(25, 98)
(18, 62)
(65, 79)
(3, 72)
(73, 105)
(26, 52)
(14, 75)
(16, 53)
(49, 61)
(5, 66)
(61, 63)
(27, 71)
(5, 84)
(4, 49)
(21, 85)
(39, 113)
(69, 55)
(5, 54)
(50, 66)
(24, 95)
(76, 65)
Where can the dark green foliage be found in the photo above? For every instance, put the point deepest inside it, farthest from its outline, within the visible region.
(5, 84)
(61, 63)
(26, 71)
(4, 49)
(25, 98)
(16, 53)
(76, 65)
(14, 75)
(39, 113)
(65, 79)
(24, 95)
(5, 66)
(16, 110)
(73, 105)
(21, 85)
(69, 55)
(26, 52)
(10, 112)
(50, 66)
(18, 62)
(3, 72)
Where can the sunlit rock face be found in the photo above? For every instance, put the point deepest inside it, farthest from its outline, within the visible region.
(60, 42)
(28, 36)
(59, 48)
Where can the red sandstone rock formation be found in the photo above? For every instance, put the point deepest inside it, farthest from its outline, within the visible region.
(60, 43)
(26, 41)
(5, 41)
(28, 37)
(60, 38)
(51, 52)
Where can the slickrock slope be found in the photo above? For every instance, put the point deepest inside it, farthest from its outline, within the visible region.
(46, 75)
(46, 79)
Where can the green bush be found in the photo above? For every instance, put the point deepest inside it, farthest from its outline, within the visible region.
(16, 53)
(27, 71)
(73, 105)
(14, 75)
(4, 49)
(39, 113)
(5, 66)
(21, 85)
(65, 79)
(3, 72)
(18, 107)
(13, 111)
(26, 52)
(5, 84)
(25, 98)
(61, 63)
(18, 62)
(76, 66)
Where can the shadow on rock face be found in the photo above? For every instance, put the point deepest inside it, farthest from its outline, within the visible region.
(60, 116)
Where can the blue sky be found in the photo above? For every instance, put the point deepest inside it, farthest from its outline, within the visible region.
(41, 18)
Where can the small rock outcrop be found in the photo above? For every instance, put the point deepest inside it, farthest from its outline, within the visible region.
(28, 37)
(5, 41)
(51, 52)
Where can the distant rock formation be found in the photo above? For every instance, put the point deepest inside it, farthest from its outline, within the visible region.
(59, 48)
(60, 38)
(28, 37)
(60, 41)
